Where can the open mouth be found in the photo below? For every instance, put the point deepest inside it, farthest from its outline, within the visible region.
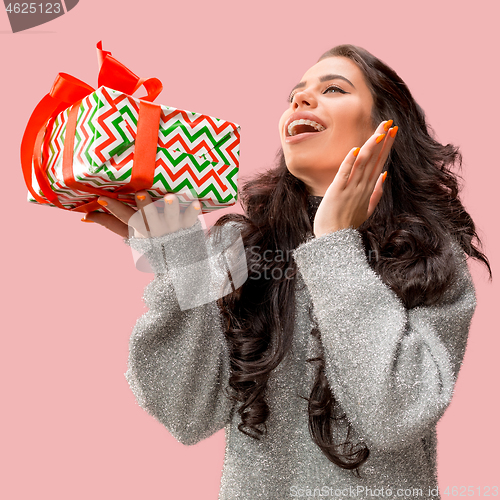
(298, 127)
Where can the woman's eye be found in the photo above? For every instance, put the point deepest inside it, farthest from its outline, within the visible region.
(328, 89)
(333, 87)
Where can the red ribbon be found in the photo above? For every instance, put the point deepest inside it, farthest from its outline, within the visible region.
(69, 91)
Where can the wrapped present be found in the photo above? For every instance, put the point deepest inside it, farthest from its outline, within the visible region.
(83, 143)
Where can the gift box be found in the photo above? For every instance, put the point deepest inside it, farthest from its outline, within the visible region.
(83, 143)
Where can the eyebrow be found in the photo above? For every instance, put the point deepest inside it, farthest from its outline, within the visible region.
(324, 79)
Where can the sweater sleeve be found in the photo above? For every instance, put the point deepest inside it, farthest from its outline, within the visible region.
(392, 369)
(178, 366)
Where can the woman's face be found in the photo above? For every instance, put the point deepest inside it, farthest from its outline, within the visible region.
(333, 96)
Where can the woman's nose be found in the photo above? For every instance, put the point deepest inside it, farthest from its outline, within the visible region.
(303, 98)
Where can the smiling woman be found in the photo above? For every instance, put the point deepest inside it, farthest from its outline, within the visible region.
(331, 367)
(334, 96)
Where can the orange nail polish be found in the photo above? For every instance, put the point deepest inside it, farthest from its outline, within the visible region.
(103, 203)
(196, 206)
(384, 176)
(388, 125)
(141, 197)
(379, 138)
(86, 220)
(356, 151)
(394, 131)
(169, 201)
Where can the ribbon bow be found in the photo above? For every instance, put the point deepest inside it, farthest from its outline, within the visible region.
(69, 91)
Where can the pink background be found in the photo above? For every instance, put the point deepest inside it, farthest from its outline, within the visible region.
(70, 425)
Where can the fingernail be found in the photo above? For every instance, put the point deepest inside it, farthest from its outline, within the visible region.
(384, 176)
(196, 206)
(141, 197)
(379, 138)
(169, 201)
(356, 151)
(103, 203)
(86, 220)
(388, 125)
(394, 131)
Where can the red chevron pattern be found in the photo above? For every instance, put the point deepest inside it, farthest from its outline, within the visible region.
(197, 155)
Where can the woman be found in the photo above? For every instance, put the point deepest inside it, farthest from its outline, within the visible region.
(329, 368)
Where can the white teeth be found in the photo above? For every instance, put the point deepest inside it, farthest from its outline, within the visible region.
(292, 126)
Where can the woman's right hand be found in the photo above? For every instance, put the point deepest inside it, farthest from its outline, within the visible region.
(144, 222)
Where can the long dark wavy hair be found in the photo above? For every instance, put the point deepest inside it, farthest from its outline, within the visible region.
(409, 231)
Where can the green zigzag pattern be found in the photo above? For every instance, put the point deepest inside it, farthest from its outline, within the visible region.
(126, 110)
(193, 137)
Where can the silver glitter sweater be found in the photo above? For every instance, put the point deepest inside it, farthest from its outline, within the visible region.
(392, 371)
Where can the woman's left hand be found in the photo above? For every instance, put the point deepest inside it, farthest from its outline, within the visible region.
(357, 187)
